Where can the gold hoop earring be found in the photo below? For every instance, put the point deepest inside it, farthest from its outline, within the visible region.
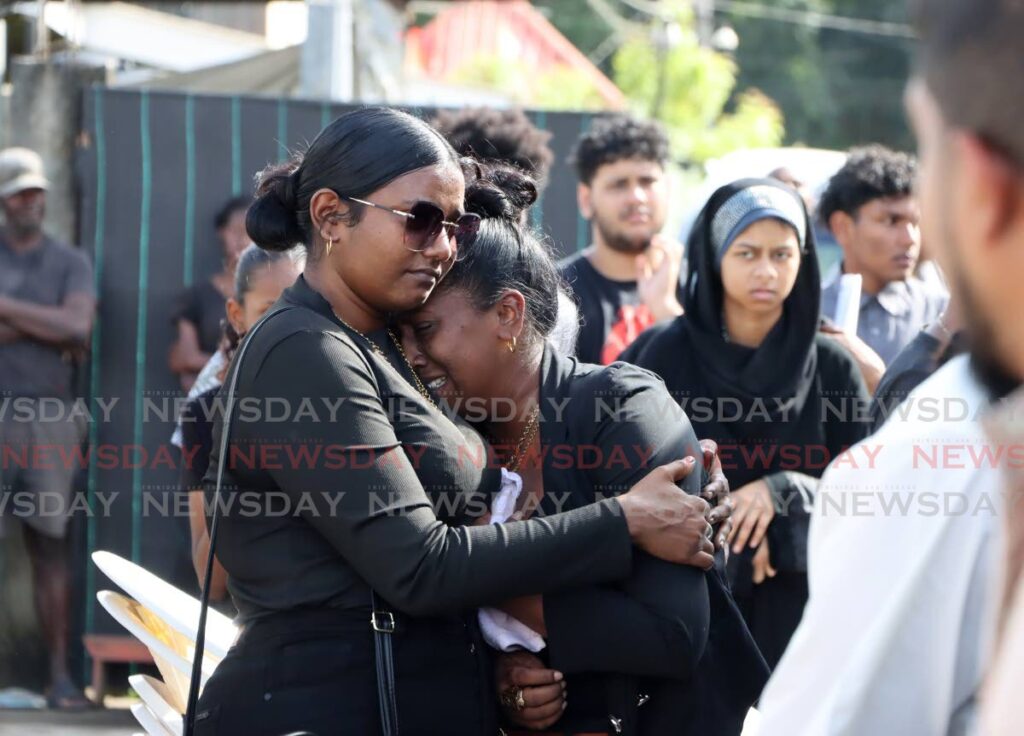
(330, 244)
(512, 345)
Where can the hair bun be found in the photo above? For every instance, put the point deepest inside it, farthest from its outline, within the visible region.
(272, 220)
(500, 191)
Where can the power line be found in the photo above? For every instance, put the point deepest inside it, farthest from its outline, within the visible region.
(807, 18)
(814, 19)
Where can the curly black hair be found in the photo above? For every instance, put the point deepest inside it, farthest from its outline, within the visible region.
(498, 136)
(615, 137)
(870, 172)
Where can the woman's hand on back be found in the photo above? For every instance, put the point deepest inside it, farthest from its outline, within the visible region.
(667, 522)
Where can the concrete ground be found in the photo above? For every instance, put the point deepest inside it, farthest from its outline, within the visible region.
(53, 723)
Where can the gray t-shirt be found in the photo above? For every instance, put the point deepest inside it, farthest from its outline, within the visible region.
(890, 319)
(46, 275)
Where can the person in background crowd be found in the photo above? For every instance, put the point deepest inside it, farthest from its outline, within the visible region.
(260, 278)
(871, 366)
(965, 103)
(47, 308)
(898, 634)
(786, 176)
(749, 365)
(629, 277)
(498, 136)
(870, 208)
(934, 346)
(480, 340)
(507, 138)
(200, 308)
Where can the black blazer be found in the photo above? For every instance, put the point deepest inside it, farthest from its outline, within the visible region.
(669, 635)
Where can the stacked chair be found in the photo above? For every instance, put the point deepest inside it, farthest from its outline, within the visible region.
(165, 619)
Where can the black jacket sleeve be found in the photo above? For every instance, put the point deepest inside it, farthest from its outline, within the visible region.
(656, 622)
(794, 493)
(378, 517)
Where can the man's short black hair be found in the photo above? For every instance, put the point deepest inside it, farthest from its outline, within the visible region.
(616, 137)
(233, 205)
(871, 172)
(970, 58)
(499, 136)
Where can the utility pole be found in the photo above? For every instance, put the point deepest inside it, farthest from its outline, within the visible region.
(328, 56)
(42, 49)
(704, 17)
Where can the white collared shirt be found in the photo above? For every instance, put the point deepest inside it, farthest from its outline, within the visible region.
(901, 549)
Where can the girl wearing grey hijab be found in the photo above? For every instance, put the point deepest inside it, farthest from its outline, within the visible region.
(748, 365)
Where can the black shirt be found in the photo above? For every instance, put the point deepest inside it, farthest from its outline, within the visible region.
(203, 305)
(197, 437)
(612, 313)
(360, 462)
(789, 456)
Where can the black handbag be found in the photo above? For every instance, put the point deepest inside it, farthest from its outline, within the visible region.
(381, 619)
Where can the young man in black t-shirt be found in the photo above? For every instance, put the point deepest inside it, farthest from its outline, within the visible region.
(630, 276)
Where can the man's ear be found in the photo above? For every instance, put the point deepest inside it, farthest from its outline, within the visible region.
(988, 189)
(841, 224)
(511, 313)
(583, 201)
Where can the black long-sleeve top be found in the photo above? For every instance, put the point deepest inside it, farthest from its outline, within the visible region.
(603, 430)
(334, 470)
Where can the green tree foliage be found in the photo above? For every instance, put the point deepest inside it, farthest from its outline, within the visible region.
(836, 88)
(577, 21)
(688, 88)
(693, 90)
(555, 89)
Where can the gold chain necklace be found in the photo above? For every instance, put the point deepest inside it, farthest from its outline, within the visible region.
(525, 440)
(398, 344)
(376, 348)
(415, 376)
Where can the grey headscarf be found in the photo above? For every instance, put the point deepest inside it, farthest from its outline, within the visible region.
(748, 206)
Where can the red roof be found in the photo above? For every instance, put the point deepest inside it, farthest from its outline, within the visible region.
(509, 29)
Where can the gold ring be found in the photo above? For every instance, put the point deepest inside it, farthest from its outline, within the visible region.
(514, 698)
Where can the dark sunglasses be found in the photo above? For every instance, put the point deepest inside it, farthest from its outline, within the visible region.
(425, 221)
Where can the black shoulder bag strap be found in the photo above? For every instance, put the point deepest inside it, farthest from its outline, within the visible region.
(382, 620)
(383, 623)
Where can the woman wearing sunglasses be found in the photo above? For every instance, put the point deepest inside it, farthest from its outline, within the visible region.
(364, 498)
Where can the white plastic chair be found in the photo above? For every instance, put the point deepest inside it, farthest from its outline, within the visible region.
(172, 652)
(158, 698)
(149, 721)
(174, 606)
